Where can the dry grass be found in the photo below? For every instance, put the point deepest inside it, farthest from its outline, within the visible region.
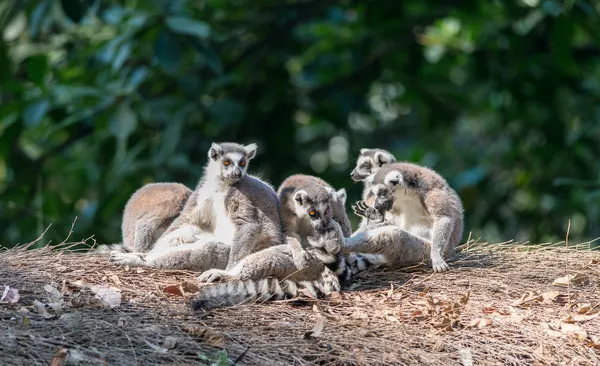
(384, 317)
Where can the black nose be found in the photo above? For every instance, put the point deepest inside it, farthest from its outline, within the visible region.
(237, 174)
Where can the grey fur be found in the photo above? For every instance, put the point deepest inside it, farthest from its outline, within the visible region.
(228, 208)
(272, 273)
(298, 195)
(424, 216)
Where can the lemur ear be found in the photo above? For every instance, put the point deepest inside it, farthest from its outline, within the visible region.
(364, 150)
(300, 197)
(393, 179)
(342, 196)
(384, 158)
(215, 151)
(250, 151)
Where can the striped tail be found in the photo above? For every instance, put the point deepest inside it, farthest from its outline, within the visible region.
(359, 262)
(266, 289)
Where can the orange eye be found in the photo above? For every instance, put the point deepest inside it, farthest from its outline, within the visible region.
(242, 163)
(311, 213)
(226, 162)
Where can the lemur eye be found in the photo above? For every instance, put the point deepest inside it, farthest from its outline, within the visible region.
(311, 213)
(242, 163)
(226, 162)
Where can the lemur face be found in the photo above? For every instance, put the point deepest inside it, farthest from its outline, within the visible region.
(231, 159)
(368, 163)
(385, 192)
(313, 204)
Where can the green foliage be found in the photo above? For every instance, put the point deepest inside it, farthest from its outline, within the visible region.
(100, 97)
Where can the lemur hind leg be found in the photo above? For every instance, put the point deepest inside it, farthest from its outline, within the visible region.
(397, 245)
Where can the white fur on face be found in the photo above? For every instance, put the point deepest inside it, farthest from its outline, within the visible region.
(393, 178)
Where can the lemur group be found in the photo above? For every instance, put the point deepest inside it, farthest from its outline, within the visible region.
(255, 243)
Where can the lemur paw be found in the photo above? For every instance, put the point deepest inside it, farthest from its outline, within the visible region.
(213, 275)
(439, 265)
(129, 259)
(360, 208)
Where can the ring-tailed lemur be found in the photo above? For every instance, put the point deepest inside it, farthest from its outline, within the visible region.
(228, 216)
(423, 217)
(273, 273)
(307, 204)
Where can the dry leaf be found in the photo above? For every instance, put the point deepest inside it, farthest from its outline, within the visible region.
(189, 287)
(174, 290)
(206, 335)
(576, 279)
(584, 318)
(110, 296)
(306, 292)
(585, 308)
(59, 357)
(55, 295)
(480, 323)
(115, 279)
(550, 295)
(156, 348)
(466, 356)
(393, 319)
(573, 329)
(170, 342)
(464, 299)
(10, 295)
(527, 298)
(316, 330)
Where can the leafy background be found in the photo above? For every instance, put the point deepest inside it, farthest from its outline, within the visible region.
(100, 97)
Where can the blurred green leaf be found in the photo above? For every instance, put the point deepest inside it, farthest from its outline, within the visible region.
(123, 121)
(184, 25)
(137, 77)
(35, 111)
(167, 51)
(37, 66)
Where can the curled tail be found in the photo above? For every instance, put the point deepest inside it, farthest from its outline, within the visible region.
(265, 289)
(356, 263)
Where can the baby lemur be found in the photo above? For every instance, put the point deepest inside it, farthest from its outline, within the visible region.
(273, 273)
(229, 215)
(368, 163)
(423, 217)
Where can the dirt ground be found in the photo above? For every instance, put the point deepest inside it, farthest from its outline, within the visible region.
(501, 304)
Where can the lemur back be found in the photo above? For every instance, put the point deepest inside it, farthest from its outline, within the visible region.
(149, 212)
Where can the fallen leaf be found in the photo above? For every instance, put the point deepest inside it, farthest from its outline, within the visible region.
(576, 279)
(110, 296)
(156, 348)
(464, 299)
(170, 342)
(527, 298)
(595, 261)
(584, 308)
(10, 295)
(466, 356)
(59, 357)
(584, 318)
(480, 323)
(115, 279)
(55, 295)
(573, 329)
(316, 330)
(393, 319)
(174, 290)
(550, 295)
(121, 323)
(190, 287)
(205, 335)
(306, 292)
